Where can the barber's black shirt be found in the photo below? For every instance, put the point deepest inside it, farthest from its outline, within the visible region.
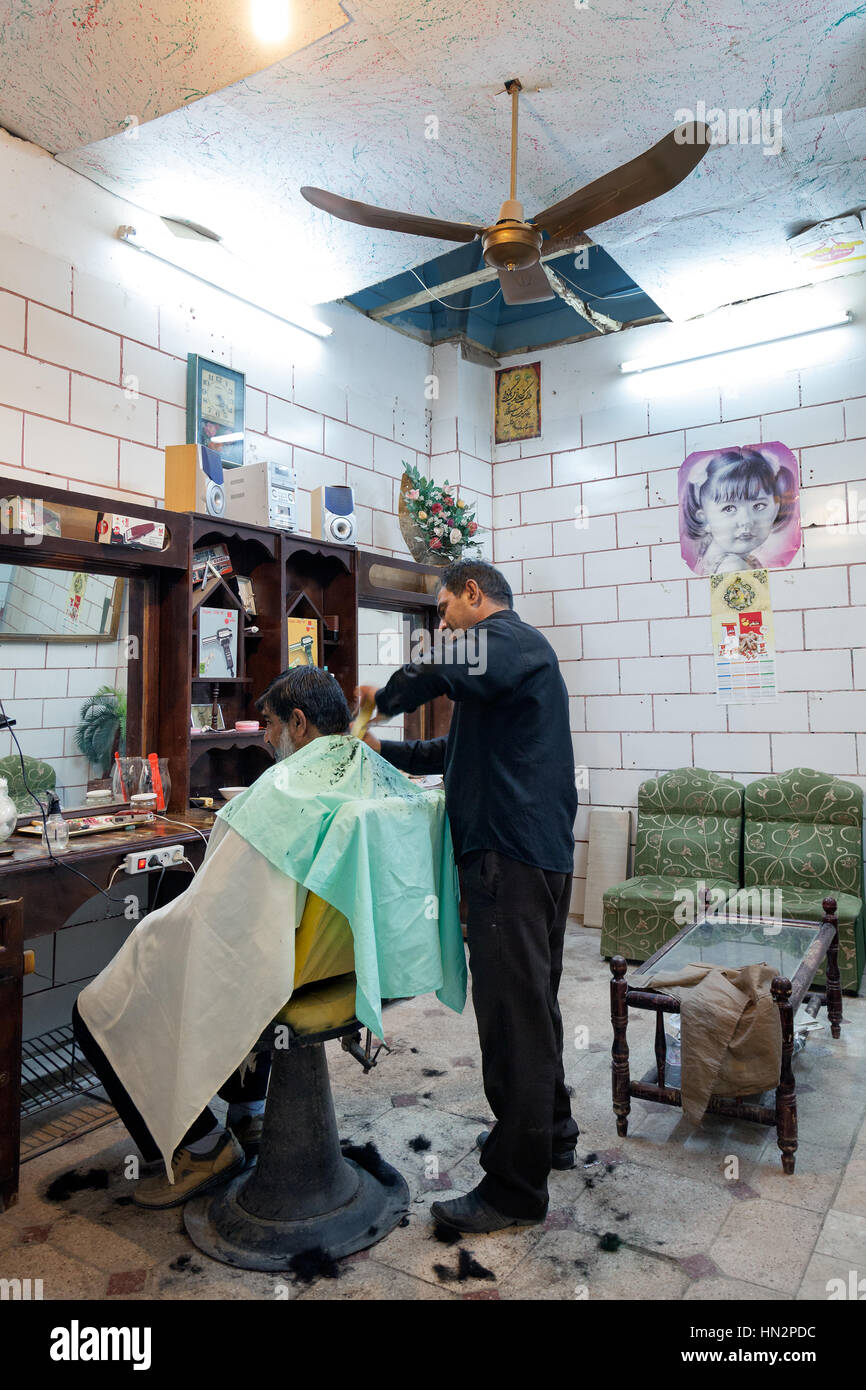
(508, 758)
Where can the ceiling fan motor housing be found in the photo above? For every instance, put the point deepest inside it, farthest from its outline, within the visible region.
(511, 245)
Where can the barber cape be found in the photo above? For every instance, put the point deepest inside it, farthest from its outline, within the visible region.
(731, 1039)
(196, 983)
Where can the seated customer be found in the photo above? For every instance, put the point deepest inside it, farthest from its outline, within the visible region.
(181, 1005)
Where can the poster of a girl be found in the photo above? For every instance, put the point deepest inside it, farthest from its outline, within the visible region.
(739, 509)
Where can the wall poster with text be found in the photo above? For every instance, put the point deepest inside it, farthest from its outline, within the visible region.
(517, 404)
(744, 642)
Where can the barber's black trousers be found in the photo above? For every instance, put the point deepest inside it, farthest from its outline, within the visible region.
(254, 1086)
(515, 925)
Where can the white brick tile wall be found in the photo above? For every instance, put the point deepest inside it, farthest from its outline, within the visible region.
(554, 504)
(565, 642)
(816, 424)
(295, 425)
(855, 417)
(616, 639)
(521, 475)
(584, 465)
(11, 433)
(696, 407)
(836, 380)
(831, 711)
(111, 306)
(28, 271)
(171, 424)
(722, 436)
(99, 406)
(654, 601)
(156, 374)
(815, 670)
(833, 627)
(834, 463)
(583, 533)
(657, 674)
(615, 494)
(689, 713)
(789, 711)
(815, 588)
(724, 752)
(26, 384)
(506, 510)
(652, 751)
(619, 712)
(658, 451)
(314, 470)
(598, 677)
(586, 606)
(669, 636)
(760, 394)
(617, 567)
(77, 454)
(58, 338)
(835, 753)
(13, 312)
(789, 631)
(657, 526)
(522, 542)
(348, 444)
(392, 458)
(558, 572)
(536, 609)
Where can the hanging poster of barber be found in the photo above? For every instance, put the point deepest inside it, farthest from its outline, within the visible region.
(511, 799)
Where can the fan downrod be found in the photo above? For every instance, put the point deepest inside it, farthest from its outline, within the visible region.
(511, 243)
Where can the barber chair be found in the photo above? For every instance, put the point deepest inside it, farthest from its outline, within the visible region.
(303, 1194)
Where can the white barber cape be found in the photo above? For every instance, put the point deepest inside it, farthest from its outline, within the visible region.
(158, 1009)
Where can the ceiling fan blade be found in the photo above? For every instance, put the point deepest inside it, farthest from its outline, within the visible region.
(652, 173)
(368, 216)
(525, 286)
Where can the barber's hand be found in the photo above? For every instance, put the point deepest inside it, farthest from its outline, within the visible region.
(362, 694)
(374, 743)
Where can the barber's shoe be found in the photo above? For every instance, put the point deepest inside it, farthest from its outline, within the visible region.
(561, 1159)
(193, 1174)
(248, 1133)
(472, 1215)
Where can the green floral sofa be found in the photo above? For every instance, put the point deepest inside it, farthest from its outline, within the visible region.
(689, 825)
(804, 836)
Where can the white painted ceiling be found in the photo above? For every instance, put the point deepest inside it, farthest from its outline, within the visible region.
(603, 80)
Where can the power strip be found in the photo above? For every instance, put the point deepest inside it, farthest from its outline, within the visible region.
(141, 863)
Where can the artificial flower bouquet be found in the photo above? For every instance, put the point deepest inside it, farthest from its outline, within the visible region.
(444, 523)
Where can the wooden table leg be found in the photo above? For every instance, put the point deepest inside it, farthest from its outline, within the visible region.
(786, 1095)
(619, 1052)
(834, 979)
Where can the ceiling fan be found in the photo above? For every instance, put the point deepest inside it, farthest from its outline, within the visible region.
(514, 246)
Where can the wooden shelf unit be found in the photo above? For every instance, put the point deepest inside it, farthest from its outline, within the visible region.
(290, 574)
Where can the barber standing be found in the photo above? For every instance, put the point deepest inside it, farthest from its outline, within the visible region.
(511, 800)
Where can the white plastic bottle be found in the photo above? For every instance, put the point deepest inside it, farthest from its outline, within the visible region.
(55, 831)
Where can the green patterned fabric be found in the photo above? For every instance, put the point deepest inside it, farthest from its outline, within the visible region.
(641, 914)
(804, 833)
(688, 836)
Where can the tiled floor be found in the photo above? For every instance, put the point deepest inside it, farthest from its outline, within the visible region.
(696, 1214)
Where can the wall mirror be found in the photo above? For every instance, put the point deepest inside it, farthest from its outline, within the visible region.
(48, 605)
(68, 682)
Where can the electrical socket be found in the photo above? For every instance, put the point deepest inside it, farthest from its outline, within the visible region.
(145, 860)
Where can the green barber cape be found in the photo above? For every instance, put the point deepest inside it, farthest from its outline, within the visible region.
(345, 824)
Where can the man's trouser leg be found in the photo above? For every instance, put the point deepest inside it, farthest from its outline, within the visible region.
(253, 1087)
(516, 918)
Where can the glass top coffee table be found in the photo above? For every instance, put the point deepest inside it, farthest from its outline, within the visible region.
(795, 950)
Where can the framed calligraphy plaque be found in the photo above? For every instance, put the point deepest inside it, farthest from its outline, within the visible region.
(517, 407)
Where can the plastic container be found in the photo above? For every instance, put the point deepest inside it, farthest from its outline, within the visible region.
(247, 726)
(142, 804)
(8, 811)
(55, 831)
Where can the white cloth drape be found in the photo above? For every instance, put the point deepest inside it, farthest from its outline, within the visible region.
(195, 984)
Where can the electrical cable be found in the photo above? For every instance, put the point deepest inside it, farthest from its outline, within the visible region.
(6, 723)
(171, 821)
(458, 308)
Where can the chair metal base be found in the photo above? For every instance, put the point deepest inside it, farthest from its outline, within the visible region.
(220, 1226)
(302, 1194)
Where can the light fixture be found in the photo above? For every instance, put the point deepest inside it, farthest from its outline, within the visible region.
(270, 20)
(231, 276)
(676, 357)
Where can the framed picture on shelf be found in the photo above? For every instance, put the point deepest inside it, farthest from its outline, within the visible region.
(215, 408)
(201, 718)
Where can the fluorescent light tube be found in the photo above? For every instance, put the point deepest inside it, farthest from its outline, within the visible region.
(677, 358)
(296, 314)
